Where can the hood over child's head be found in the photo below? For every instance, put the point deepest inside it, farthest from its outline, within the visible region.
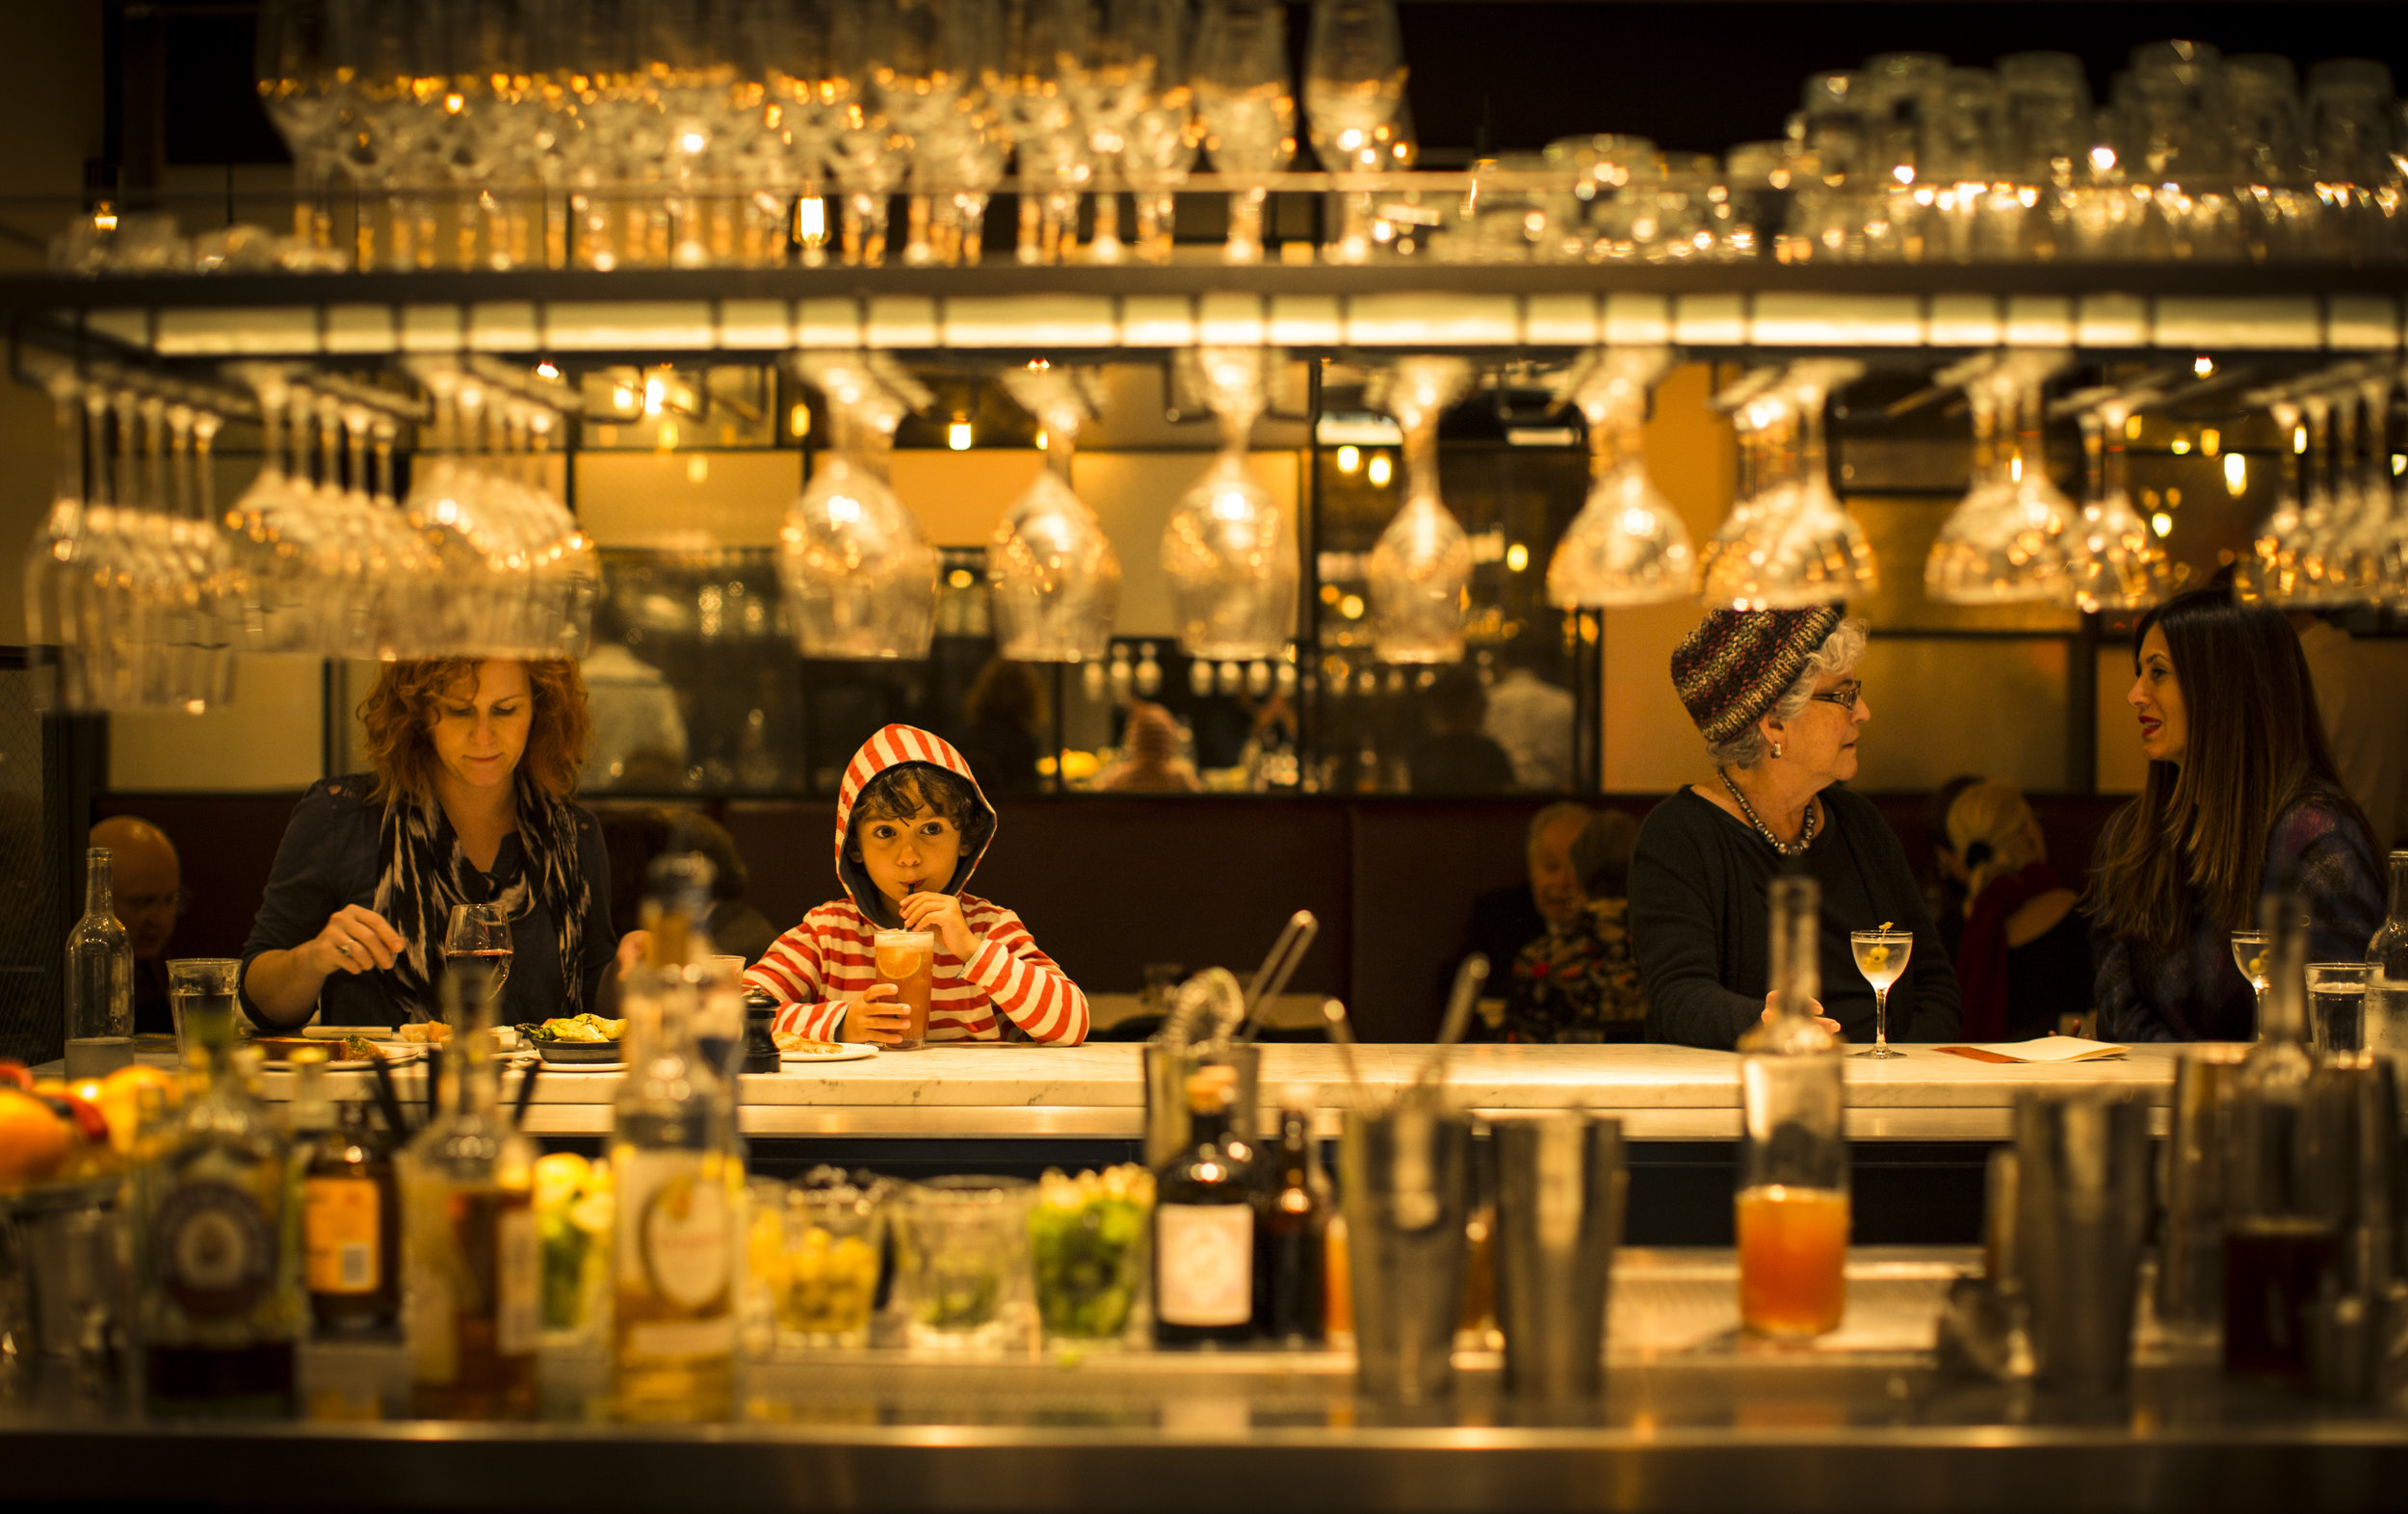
(911, 818)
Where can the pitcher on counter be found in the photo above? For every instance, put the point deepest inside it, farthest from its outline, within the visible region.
(910, 825)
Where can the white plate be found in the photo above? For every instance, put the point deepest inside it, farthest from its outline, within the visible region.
(396, 1055)
(846, 1051)
(556, 1069)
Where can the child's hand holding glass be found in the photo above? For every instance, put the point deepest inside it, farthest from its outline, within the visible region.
(877, 1016)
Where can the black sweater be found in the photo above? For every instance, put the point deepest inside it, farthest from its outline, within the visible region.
(1701, 926)
(329, 859)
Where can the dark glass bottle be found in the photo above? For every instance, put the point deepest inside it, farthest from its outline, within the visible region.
(351, 1230)
(1293, 1215)
(1204, 1225)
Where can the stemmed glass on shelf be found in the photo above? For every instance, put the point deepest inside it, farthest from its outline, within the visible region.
(1882, 956)
(1242, 98)
(1354, 75)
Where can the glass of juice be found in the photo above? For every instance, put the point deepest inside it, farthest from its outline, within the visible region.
(907, 960)
(1793, 1259)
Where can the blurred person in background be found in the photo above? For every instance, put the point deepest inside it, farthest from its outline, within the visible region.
(1582, 983)
(1944, 891)
(1506, 920)
(2025, 958)
(1457, 757)
(2363, 704)
(639, 732)
(1151, 760)
(999, 718)
(1775, 694)
(2241, 800)
(634, 837)
(147, 882)
(1531, 719)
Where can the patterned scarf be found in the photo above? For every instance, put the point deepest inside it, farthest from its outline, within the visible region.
(422, 872)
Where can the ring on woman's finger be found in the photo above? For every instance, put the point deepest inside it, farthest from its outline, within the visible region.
(343, 947)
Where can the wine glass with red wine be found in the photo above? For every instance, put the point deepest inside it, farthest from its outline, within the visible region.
(480, 934)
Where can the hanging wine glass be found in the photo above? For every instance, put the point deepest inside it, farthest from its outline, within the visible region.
(1421, 568)
(2366, 549)
(1054, 579)
(1801, 547)
(2123, 565)
(858, 577)
(1229, 551)
(1628, 545)
(2015, 538)
(2292, 546)
(2268, 570)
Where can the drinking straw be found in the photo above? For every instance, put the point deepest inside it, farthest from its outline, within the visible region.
(1271, 980)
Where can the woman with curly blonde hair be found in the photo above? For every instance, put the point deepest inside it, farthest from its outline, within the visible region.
(469, 800)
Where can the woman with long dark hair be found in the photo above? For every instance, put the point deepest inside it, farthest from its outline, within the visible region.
(2241, 800)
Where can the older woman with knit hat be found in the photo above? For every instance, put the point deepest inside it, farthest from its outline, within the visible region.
(1775, 695)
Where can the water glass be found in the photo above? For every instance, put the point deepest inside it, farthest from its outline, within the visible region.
(201, 997)
(962, 1260)
(2337, 1007)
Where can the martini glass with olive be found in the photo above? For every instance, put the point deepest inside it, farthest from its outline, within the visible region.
(1882, 956)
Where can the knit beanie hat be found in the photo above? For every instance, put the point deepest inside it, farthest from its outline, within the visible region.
(1738, 664)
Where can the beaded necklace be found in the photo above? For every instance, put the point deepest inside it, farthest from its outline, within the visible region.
(1786, 848)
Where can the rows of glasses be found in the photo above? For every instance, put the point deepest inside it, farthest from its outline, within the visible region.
(147, 588)
(689, 133)
(607, 134)
(2338, 532)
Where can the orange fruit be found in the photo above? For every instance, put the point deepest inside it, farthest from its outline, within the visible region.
(120, 1098)
(34, 1141)
(897, 960)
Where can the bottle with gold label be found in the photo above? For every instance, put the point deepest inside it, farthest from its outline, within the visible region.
(351, 1211)
(472, 1266)
(1204, 1224)
(678, 1173)
(219, 1305)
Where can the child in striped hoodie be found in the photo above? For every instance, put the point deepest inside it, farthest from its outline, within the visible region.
(910, 825)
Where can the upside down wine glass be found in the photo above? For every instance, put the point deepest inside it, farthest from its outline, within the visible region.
(1421, 568)
(1882, 956)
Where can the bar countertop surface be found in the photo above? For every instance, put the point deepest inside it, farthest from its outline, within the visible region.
(1693, 1416)
(1096, 1090)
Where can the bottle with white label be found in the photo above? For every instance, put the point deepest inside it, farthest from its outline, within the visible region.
(220, 1303)
(678, 1172)
(472, 1271)
(1204, 1225)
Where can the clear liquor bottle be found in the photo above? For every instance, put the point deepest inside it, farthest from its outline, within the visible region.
(351, 1206)
(471, 1262)
(1204, 1225)
(2279, 1239)
(99, 981)
(220, 1303)
(1792, 1202)
(678, 1173)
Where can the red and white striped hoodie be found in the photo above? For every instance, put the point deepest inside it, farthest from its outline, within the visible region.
(828, 960)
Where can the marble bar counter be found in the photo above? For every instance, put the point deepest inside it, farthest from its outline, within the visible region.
(1664, 1093)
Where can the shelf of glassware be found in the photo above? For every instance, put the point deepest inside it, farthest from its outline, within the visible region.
(2141, 307)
